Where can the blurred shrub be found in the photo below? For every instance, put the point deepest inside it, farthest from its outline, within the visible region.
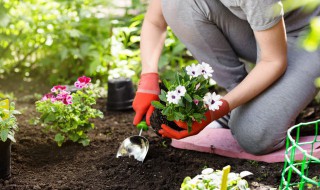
(60, 39)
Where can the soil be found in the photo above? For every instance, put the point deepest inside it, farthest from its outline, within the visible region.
(38, 163)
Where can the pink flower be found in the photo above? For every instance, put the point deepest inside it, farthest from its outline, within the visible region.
(53, 99)
(77, 84)
(67, 100)
(84, 79)
(58, 87)
(196, 102)
(47, 96)
(82, 82)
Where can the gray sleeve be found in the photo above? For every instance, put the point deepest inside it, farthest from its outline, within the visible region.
(262, 14)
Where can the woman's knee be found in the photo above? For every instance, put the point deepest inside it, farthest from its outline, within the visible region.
(257, 134)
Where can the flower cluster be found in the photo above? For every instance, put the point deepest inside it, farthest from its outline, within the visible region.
(187, 97)
(203, 69)
(210, 179)
(82, 82)
(60, 93)
(174, 96)
(68, 114)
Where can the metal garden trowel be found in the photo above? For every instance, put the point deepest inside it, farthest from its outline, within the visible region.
(136, 146)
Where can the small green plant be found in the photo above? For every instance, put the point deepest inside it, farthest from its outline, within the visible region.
(187, 97)
(8, 121)
(212, 179)
(68, 114)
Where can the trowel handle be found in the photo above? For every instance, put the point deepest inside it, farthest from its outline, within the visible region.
(142, 126)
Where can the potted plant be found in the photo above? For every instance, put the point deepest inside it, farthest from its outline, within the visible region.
(186, 98)
(67, 114)
(8, 127)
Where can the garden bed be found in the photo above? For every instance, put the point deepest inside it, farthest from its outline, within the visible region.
(38, 163)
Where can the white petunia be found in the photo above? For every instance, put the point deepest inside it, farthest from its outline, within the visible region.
(212, 101)
(173, 97)
(206, 70)
(181, 90)
(193, 70)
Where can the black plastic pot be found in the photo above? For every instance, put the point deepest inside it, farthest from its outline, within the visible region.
(5, 159)
(120, 94)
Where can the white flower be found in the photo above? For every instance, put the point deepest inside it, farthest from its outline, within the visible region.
(173, 97)
(212, 100)
(206, 70)
(181, 90)
(193, 70)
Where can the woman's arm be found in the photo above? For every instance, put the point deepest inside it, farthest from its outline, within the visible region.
(153, 34)
(272, 64)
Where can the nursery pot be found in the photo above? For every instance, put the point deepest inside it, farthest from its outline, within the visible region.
(120, 94)
(5, 159)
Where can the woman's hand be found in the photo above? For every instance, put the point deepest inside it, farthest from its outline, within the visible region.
(167, 131)
(148, 91)
(153, 34)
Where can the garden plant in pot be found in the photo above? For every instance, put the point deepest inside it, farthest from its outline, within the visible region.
(67, 114)
(8, 127)
(185, 99)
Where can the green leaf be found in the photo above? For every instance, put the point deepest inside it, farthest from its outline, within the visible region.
(4, 134)
(59, 138)
(85, 142)
(163, 97)
(177, 77)
(198, 116)
(50, 117)
(157, 105)
(178, 116)
(187, 97)
(178, 48)
(166, 84)
(197, 97)
(166, 111)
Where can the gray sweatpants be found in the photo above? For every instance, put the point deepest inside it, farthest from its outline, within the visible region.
(215, 36)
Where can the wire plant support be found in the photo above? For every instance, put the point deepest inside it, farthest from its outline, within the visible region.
(297, 165)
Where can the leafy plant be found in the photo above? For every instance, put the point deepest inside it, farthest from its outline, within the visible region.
(68, 114)
(211, 179)
(8, 121)
(57, 37)
(187, 98)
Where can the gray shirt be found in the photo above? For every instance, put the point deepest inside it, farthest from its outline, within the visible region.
(263, 14)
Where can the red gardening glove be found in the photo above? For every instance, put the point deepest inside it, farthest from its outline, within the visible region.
(167, 131)
(148, 91)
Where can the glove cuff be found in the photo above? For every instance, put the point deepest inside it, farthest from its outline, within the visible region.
(149, 83)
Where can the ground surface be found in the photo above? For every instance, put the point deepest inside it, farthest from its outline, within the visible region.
(38, 163)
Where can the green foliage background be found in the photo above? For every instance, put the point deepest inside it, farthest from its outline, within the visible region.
(60, 40)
